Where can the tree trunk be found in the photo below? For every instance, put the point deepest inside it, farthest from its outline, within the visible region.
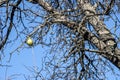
(104, 40)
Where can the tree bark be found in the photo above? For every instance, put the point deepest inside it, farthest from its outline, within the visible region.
(104, 40)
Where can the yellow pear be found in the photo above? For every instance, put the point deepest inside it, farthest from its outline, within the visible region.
(29, 41)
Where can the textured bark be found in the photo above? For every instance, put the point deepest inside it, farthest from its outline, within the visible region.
(104, 40)
(103, 33)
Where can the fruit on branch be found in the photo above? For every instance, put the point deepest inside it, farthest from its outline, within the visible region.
(29, 41)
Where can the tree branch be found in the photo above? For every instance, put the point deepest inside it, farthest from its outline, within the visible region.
(10, 25)
(104, 41)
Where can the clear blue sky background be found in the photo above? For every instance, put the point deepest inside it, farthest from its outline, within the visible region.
(19, 60)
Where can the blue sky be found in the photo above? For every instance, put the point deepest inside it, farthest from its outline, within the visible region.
(24, 58)
(20, 60)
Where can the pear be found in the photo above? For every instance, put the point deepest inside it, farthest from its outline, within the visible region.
(29, 41)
